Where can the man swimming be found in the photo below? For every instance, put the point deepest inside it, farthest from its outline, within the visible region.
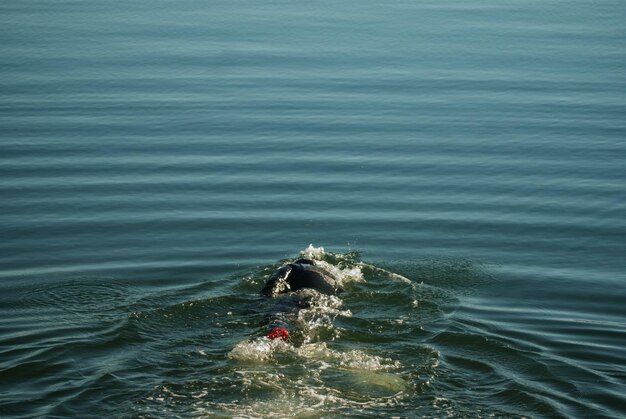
(303, 274)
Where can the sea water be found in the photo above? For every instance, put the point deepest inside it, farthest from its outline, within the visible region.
(460, 165)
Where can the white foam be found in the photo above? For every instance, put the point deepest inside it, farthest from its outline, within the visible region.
(261, 350)
(386, 273)
(312, 252)
(343, 275)
(302, 398)
(256, 350)
(353, 359)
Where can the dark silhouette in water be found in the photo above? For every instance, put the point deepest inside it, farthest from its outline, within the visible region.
(299, 275)
(297, 280)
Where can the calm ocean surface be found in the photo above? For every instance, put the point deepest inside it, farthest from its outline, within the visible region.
(461, 165)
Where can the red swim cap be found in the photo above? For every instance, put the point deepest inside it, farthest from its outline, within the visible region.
(278, 333)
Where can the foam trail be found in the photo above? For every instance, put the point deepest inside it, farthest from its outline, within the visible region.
(260, 362)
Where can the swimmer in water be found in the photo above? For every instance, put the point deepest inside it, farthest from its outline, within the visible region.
(301, 275)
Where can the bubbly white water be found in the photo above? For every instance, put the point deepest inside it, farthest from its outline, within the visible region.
(363, 372)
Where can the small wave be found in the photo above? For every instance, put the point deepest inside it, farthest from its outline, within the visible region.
(85, 296)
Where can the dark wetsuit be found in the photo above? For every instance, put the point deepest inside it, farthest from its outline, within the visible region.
(298, 284)
(301, 274)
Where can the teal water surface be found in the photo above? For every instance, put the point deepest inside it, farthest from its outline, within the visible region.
(460, 164)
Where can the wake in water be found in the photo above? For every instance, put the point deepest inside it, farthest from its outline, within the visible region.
(312, 319)
(388, 345)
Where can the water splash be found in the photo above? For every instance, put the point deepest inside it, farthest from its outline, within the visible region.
(313, 374)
